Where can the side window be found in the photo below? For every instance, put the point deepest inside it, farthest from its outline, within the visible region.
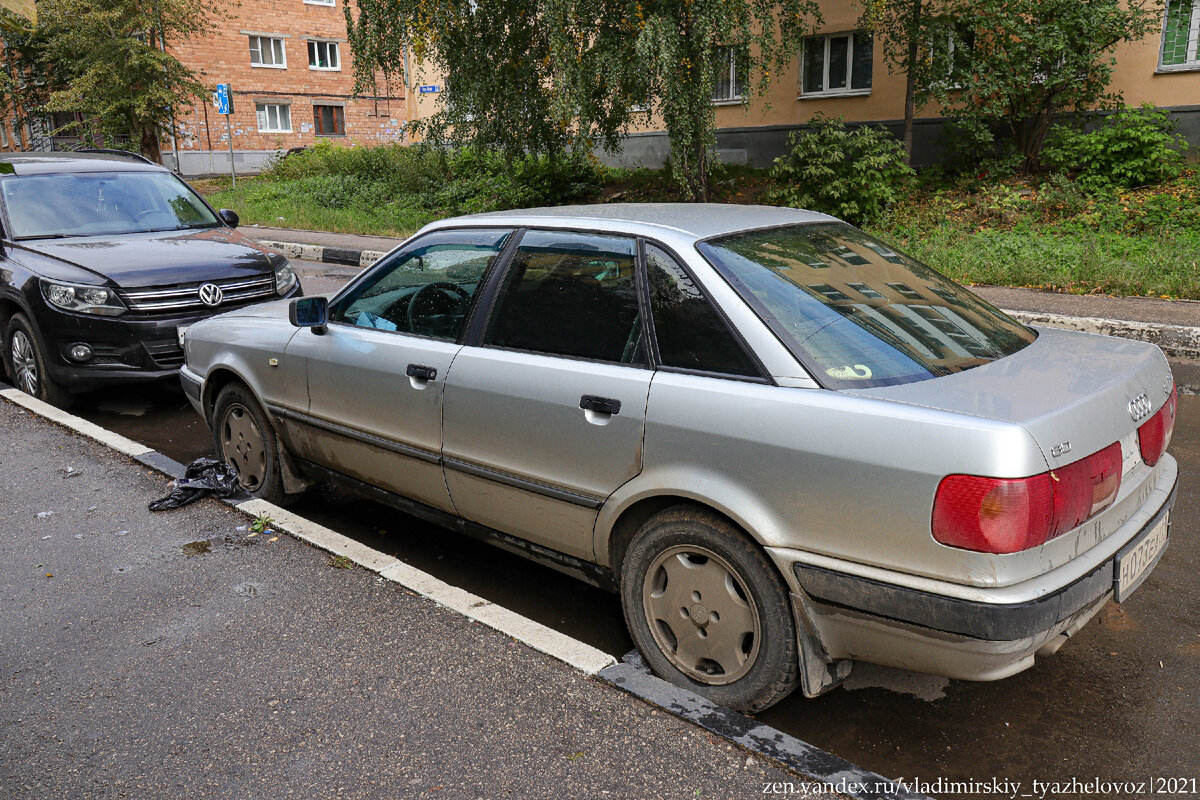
(689, 332)
(571, 294)
(425, 289)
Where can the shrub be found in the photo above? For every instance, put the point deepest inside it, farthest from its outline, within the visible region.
(969, 147)
(1128, 148)
(852, 173)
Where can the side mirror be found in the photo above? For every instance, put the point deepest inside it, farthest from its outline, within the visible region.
(310, 312)
(230, 218)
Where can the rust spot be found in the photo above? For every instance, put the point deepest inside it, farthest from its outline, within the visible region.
(1114, 618)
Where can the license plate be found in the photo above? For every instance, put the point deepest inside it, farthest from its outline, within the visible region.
(180, 331)
(1135, 561)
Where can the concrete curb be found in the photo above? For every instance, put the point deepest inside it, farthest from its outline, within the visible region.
(1177, 341)
(829, 772)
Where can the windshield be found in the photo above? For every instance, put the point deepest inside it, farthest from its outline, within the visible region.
(857, 313)
(101, 204)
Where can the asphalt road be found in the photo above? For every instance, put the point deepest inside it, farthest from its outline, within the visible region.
(1119, 702)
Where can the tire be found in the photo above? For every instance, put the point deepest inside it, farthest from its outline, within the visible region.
(244, 438)
(708, 610)
(26, 363)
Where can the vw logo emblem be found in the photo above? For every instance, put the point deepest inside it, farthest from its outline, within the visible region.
(210, 294)
(1139, 407)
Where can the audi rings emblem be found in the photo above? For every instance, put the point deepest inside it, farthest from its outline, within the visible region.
(211, 294)
(1139, 407)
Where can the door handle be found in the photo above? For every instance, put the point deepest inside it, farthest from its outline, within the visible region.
(601, 405)
(421, 372)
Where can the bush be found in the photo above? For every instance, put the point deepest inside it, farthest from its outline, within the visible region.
(852, 173)
(1128, 148)
(969, 147)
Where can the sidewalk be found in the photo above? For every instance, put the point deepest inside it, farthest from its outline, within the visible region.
(176, 655)
(1172, 325)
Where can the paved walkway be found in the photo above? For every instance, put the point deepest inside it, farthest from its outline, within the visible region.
(177, 656)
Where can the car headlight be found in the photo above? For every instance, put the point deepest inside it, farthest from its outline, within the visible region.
(83, 299)
(285, 278)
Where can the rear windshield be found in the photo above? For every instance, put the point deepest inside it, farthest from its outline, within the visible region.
(101, 204)
(857, 313)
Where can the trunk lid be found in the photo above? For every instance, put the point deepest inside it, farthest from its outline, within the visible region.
(1075, 393)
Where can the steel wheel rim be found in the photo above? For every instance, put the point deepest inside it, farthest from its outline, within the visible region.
(701, 615)
(24, 363)
(244, 446)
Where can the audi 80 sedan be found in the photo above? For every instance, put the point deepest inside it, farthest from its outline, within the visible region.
(104, 259)
(786, 445)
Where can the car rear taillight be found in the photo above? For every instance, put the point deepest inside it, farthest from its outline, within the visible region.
(1155, 433)
(1007, 515)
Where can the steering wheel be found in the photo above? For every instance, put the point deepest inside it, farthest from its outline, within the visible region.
(414, 300)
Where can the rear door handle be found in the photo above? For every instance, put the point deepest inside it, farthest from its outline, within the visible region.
(601, 405)
(421, 372)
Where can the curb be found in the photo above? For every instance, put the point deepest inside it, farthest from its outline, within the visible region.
(630, 676)
(1176, 341)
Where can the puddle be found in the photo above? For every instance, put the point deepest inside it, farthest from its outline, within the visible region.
(197, 548)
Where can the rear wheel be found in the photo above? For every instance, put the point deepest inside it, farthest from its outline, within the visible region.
(245, 439)
(708, 610)
(27, 365)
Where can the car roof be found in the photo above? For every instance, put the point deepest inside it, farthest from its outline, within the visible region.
(689, 220)
(39, 163)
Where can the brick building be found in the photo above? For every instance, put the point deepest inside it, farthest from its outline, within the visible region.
(293, 83)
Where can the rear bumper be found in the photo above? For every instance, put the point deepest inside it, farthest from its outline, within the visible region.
(871, 620)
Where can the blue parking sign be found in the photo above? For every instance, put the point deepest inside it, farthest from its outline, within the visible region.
(223, 98)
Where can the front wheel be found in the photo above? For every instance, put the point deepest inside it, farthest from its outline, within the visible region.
(708, 611)
(27, 365)
(245, 439)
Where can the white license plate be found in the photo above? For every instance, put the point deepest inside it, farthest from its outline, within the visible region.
(180, 331)
(1134, 563)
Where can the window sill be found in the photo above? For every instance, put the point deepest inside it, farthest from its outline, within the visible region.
(263, 130)
(736, 101)
(311, 68)
(1180, 68)
(319, 3)
(827, 95)
(268, 66)
(330, 135)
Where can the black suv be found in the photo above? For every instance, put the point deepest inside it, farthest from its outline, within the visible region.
(105, 260)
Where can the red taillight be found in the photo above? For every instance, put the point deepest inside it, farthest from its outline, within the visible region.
(1155, 433)
(1007, 515)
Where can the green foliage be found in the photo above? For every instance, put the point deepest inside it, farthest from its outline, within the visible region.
(1033, 59)
(1128, 148)
(969, 147)
(106, 61)
(545, 75)
(852, 173)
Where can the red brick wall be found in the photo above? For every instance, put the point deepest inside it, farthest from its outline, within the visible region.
(224, 57)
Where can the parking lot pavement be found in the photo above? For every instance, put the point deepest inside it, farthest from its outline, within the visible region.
(178, 655)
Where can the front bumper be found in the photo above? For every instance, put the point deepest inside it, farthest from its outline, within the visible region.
(884, 623)
(130, 348)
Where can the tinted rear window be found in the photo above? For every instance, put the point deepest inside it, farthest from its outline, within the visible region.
(856, 312)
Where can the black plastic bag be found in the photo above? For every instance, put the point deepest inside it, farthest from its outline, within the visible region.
(203, 476)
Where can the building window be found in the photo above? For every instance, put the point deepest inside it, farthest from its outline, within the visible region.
(1181, 32)
(329, 120)
(274, 117)
(323, 55)
(730, 69)
(267, 52)
(837, 64)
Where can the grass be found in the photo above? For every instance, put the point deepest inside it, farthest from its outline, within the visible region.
(1040, 233)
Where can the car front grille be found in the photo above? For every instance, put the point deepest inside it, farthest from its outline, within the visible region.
(165, 352)
(187, 298)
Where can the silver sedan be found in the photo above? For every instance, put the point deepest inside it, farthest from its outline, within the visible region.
(786, 445)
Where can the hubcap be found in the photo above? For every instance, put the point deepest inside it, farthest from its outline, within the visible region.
(243, 446)
(702, 618)
(24, 363)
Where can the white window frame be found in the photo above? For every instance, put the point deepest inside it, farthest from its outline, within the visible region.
(1192, 57)
(736, 98)
(261, 114)
(314, 44)
(260, 40)
(846, 91)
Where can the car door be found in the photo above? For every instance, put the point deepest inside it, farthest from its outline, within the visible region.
(544, 418)
(375, 376)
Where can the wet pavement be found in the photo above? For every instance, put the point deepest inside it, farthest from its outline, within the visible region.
(1119, 702)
